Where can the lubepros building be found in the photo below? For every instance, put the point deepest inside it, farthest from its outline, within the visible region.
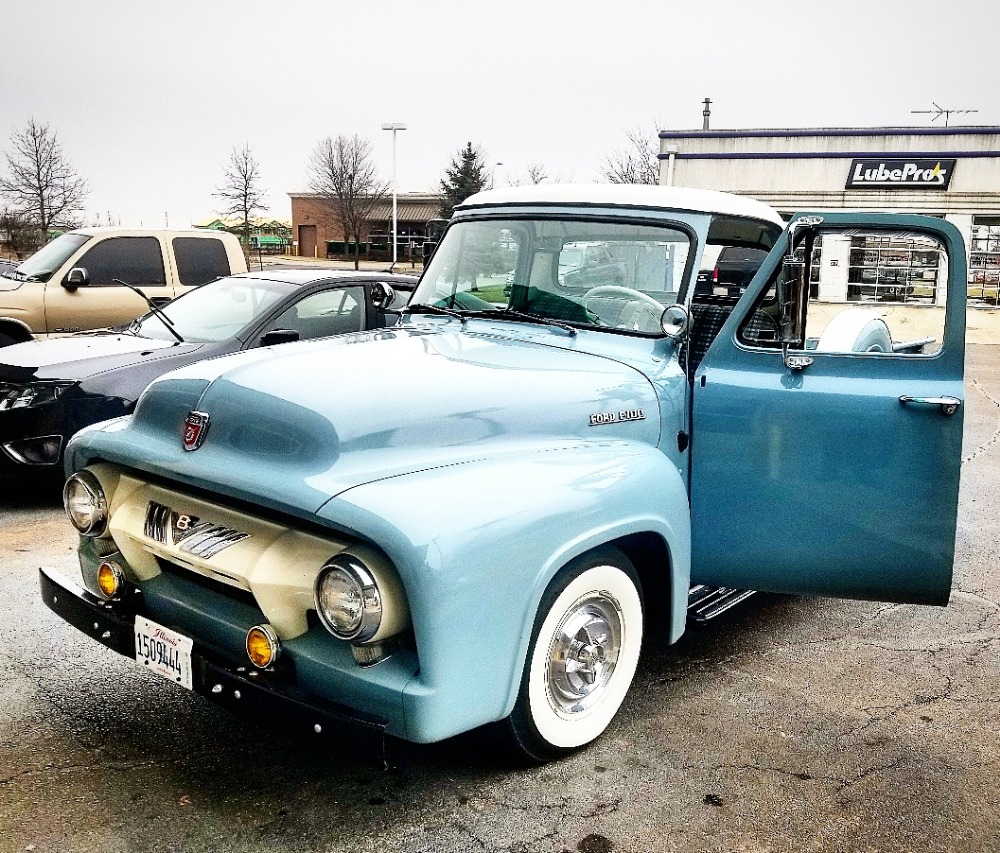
(951, 172)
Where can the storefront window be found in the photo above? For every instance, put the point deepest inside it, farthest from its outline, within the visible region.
(893, 268)
(984, 262)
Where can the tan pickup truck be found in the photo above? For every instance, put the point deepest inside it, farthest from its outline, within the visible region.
(41, 298)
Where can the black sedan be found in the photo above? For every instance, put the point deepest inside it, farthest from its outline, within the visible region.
(50, 389)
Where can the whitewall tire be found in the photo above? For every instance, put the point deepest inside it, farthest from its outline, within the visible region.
(583, 656)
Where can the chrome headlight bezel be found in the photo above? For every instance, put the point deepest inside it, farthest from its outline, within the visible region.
(95, 523)
(358, 582)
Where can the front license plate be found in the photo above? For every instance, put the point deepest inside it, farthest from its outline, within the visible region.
(163, 651)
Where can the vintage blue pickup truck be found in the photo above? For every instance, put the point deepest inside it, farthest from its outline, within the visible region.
(472, 517)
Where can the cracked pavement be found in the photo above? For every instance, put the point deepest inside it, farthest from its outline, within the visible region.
(789, 724)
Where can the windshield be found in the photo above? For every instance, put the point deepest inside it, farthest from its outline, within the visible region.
(41, 265)
(215, 312)
(587, 273)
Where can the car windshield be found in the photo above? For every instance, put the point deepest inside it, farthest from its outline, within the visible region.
(585, 273)
(41, 265)
(215, 312)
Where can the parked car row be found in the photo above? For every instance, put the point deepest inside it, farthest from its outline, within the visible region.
(81, 279)
(49, 389)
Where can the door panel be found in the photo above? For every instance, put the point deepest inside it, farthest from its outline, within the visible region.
(820, 480)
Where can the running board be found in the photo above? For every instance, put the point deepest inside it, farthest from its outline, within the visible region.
(707, 602)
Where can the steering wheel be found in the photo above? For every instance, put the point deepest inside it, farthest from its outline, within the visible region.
(647, 302)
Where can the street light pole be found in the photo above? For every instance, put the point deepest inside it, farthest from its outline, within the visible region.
(394, 126)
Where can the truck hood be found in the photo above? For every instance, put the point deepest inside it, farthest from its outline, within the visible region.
(295, 425)
(79, 356)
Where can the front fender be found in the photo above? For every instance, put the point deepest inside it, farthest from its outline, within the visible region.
(476, 544)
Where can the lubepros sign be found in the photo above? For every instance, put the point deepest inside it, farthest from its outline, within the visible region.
(900, 174)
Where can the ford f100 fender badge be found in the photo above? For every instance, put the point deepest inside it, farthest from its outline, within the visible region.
(195, 428)
(602, 418)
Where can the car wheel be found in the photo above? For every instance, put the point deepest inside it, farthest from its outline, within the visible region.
(6, 340)
(583, 656)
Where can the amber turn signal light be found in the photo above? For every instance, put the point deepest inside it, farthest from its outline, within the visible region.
(263, 646)
(110, 579)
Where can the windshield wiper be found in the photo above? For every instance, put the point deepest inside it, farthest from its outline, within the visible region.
(513, 313)
(426, 308)
(152, 307)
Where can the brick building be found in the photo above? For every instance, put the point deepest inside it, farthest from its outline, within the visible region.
(317, 235)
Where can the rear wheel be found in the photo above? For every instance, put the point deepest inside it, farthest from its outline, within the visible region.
(583, 656)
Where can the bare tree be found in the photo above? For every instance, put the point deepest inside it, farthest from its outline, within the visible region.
(537, 173)
(42, 185)
(637, 162)
(241, 190)
(347, 184)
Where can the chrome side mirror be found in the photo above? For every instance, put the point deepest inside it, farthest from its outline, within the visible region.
(383, 295)
(675, 322)
(75, 278)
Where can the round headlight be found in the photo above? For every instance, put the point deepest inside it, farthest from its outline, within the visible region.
(348, 599)
(86, 504)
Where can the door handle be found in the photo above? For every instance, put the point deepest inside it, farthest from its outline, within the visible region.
(949, 405)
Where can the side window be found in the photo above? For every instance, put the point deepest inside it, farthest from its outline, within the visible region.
(329, 312)
(867, 292)
(136, 260)
(200, 260)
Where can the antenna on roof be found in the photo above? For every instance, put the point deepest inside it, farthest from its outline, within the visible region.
(706, 113)
(937, 112)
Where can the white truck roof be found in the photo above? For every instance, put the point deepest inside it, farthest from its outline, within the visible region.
(628, 195)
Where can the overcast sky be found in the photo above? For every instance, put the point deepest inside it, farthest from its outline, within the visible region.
(149, 98)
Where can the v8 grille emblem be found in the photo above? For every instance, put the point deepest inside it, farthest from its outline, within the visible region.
(200, 538)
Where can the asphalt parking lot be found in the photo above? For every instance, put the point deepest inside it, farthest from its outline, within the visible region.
(790, 724)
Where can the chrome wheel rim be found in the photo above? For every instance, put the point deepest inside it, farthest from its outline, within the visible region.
(583, 654)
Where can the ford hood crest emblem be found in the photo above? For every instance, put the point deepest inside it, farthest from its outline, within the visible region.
(195, 429)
